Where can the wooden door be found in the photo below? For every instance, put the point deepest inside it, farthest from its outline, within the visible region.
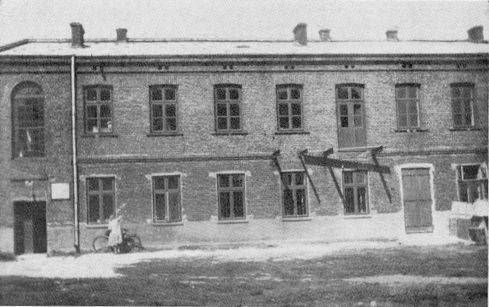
(417, 199)
(30, 227)
(351, 116)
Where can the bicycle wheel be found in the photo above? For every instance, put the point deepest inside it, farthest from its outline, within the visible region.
(134, 243)
(100, 244)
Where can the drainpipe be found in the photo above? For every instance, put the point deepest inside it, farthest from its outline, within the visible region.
(76, 228)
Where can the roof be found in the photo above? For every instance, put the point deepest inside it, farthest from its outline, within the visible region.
(243, 48)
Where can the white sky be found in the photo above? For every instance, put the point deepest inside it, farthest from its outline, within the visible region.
(247, 19)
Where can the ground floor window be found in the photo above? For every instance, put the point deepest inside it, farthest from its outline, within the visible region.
(472, 182)
(231, 196)
(355, 192)
(101, 199)
(294, 198)
(166, 199)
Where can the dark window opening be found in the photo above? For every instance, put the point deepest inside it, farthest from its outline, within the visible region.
(355, 192)
(407, 101)
(227, 106)
(98, 110)
(294, 194)
(163, 108)
(231, 196)
(289, 107)
(166, 199)
(472, 182)
(101, 199)
(463, 105)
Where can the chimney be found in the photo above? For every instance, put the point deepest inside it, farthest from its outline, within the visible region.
(300, 34)
(476, 34)
(324, 35)
(77, 35)
(121, 35)
(391, 35)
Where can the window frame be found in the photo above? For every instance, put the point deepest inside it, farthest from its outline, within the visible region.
(459, 175)
(100, 192)
(98, 103)
(163, 102)
(166, 192)
(228, 102)
(289, 101)
(461, 85)
(355, 186)
(417, 99)
(231, 189)
(304, 186)
(15, 128)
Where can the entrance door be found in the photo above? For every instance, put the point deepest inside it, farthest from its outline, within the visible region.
(416, 189)
(351, 116)
(30, 227)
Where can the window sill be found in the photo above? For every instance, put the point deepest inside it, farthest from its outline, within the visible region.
(167, 223)
(95, 226)
(412, 130)
(357, 216)
(465, 129)
(296, 219)
(102, 135)
(156, 134)
(292, 132)
(232, 221)
(228, 133)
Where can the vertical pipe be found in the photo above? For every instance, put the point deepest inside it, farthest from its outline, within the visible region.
(76, 228)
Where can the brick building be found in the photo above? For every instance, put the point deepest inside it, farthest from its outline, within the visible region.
(205, 141)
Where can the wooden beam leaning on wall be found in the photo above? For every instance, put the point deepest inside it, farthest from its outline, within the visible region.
(301, 157)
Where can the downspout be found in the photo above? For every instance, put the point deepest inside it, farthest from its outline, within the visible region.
(76, 228)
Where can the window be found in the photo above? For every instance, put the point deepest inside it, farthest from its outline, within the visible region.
(407, 100)
(166, 199)
(294, 196)
(289, 107)
(101, 199)
(98, 109)
(355, 192)
(163, 106)
(463, 105)
(28, 120)
(352, 130)
(227, 108)
(472, 182)
(231, 196)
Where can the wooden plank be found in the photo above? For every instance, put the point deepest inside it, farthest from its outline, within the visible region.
(336, 163)
(301, 157)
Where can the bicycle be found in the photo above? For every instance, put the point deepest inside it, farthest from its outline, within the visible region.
(130, 242)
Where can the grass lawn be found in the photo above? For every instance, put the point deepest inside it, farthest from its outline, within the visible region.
(206, 281)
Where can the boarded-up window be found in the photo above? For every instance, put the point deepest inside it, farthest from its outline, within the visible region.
(28, 120)
(407, 102)
(355, 191)
(463, 105)
(100, 199)
(166, 199)
(231, 196)
(227, 104)
(289, 107)
(163, 108)
(294, 194)
(472, 182)
(98, 109)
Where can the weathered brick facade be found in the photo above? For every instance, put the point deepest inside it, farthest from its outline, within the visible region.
(131, 155)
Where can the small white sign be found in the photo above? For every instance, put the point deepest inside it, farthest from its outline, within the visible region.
(60, 191)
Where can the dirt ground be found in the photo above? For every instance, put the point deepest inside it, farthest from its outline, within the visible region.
(366, 275)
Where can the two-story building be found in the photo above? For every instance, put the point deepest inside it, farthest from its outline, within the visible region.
(238, 141)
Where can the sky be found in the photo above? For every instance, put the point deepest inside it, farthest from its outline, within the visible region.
(245, 19)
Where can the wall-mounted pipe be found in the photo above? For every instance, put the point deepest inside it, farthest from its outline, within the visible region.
(76, 226)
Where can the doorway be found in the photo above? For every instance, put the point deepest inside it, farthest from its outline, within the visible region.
(417, 199)
(30, 227)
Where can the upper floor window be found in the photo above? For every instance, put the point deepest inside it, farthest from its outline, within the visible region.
(355, 192)
(227, 101)
(231, 196)
(28, 120)
(101, 199)
(289, 107)
(294, 194)
(163, 108)
(472, 182)
(98, 109)
(407, 101)
(463, 105)
(166, 199)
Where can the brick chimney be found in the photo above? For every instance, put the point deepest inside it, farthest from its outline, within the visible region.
(77, 33)
(300, 34)
(121, 34)
(476, 34)
(391, 35)
(324, 35)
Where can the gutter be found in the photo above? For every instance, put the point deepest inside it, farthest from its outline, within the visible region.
(76, 228)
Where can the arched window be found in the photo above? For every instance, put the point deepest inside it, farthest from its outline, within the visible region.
(27, 120)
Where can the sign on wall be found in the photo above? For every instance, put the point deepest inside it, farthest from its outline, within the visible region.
(60, 191)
